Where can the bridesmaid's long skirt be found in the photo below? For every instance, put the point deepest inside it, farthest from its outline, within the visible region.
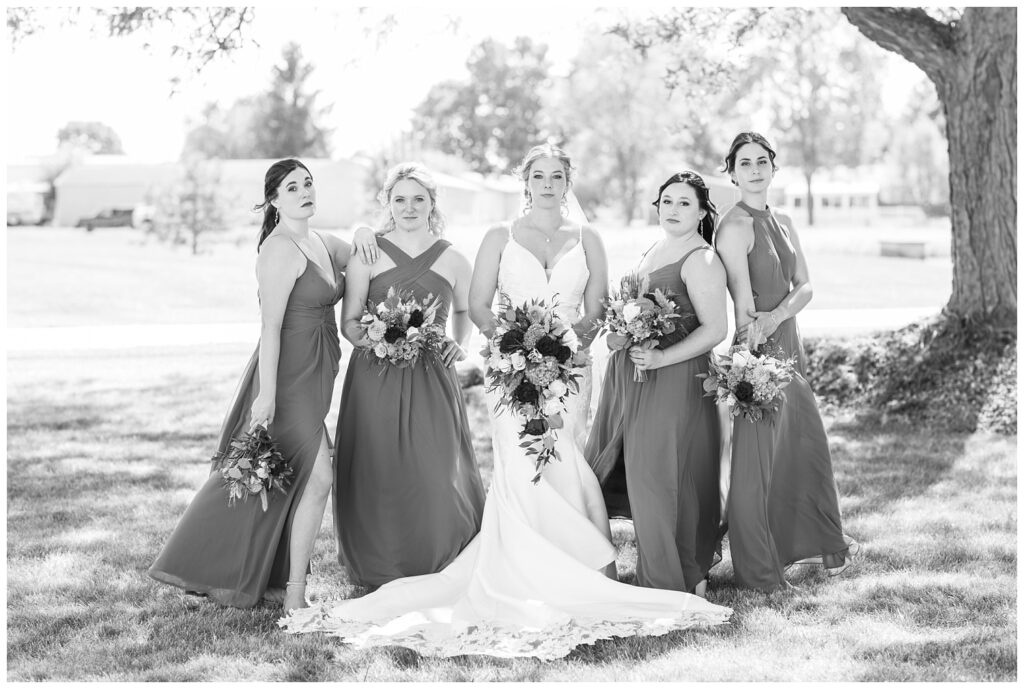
(783, 502)
(661, 438)
(407, 493)
(233, 554)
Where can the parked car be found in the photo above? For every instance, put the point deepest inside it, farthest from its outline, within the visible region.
(108, 217)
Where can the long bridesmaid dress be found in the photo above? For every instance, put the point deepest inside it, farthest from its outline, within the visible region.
(783, 502)
(660, 440)
(407, 492)
(233, 554)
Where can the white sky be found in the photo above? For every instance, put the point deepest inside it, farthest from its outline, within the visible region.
(69, 74)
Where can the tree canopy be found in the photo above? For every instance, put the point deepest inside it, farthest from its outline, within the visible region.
(94, 137)
(492, 118)
(283, 121)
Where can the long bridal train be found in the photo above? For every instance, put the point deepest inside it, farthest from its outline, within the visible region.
(528, 585)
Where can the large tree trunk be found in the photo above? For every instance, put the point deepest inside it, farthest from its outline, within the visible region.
(973, 63)
(810, 198)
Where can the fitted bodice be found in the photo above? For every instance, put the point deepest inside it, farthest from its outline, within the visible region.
(771, 261)
(522, 277)
(314, 295)
(413, 274)
(666, 278)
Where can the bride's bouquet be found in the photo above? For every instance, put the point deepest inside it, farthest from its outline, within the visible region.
(400, 328)
(252, 465)
(748, 382)
(635, 316)
(531, 360)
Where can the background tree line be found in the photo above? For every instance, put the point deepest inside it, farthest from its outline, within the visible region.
(808, 68)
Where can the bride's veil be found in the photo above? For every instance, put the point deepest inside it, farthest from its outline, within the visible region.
(575, 210)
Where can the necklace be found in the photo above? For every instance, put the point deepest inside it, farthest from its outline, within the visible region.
(544, 233)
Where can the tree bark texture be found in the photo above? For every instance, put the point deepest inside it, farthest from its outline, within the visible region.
(973, 63)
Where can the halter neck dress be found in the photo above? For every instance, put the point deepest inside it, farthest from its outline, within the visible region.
(783, 504)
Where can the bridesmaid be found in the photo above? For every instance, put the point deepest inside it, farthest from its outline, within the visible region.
(238, 554)
(407, 493)
(783, 506)
(660, 438)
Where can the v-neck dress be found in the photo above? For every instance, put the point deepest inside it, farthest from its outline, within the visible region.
(407, 492)
(233, 554)
(655, 447)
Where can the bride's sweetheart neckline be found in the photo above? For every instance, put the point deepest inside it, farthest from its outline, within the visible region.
(548, 272)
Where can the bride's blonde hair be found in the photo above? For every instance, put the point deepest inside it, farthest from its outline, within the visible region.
(545, 150)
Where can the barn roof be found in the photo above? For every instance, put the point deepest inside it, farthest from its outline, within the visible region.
(114, 170)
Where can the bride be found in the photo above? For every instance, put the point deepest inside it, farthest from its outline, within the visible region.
(538, 580)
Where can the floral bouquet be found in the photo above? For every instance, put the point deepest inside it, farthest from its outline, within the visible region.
(252, 465)
(637, 316)
(531, 360)
(749, 382)
(400, 328)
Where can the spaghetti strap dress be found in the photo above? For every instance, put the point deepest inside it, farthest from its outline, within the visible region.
(783, 504)
(234, 553)
(655, 447)
(407, 492)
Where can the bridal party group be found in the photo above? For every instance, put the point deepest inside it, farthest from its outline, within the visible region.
(527, 567)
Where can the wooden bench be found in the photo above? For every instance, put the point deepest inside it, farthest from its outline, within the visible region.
(903, 249)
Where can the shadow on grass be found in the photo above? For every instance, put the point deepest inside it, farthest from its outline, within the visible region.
(97, 479)
(876, 466)
(961, 657)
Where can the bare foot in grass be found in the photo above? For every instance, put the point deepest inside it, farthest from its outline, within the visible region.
(295, 597)
(274, 595)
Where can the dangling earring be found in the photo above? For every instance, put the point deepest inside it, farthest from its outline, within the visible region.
(529, 200)
(565, 205)
(277, 216)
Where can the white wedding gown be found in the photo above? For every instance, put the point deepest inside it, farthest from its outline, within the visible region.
(530, 583)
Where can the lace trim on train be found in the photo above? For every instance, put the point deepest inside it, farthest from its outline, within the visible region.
(549, 643)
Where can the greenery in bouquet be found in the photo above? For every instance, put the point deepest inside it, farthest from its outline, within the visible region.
(400, 328)
(749, 382)
(252, 465)
(635, 315)
(532, 359)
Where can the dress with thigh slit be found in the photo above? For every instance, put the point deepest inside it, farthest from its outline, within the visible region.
(655, 447)
(234, 553)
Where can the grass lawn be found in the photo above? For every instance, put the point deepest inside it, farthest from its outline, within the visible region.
(105, 450)
(67, 277)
